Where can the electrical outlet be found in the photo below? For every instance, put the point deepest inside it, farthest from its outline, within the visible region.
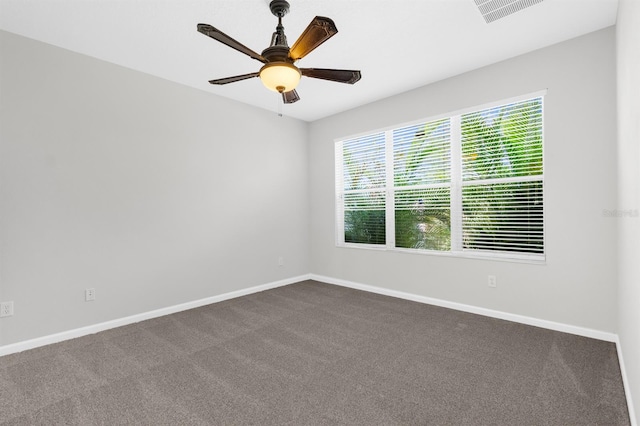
(90, 294)
(281, 261)
(6, 309)
(491, 280)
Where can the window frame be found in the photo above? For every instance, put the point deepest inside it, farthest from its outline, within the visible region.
(456, 184)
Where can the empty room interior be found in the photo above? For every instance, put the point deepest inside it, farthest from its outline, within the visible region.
(436, 222)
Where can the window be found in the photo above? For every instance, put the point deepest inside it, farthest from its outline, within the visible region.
(469, 184)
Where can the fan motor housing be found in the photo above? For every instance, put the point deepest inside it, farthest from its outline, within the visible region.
(277, 54)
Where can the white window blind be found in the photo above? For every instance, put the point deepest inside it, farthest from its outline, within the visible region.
(422, 186)
(469, 184)
(502, 178)
(504, 217)
(362, 189)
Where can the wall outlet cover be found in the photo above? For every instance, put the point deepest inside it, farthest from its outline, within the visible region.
(6, 309)
(492, 281)
(90, 294)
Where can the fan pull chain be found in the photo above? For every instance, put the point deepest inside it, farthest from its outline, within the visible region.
(279, 107)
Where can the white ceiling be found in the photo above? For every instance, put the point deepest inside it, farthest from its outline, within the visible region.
(398, 45)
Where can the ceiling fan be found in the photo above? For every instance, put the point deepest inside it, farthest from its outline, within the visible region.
(279, 72)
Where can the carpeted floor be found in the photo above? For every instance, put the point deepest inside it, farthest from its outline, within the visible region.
(312, 353)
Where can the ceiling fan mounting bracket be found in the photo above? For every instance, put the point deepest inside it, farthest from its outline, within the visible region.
(279, 7)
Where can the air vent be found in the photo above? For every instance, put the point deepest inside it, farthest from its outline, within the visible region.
(492, 10)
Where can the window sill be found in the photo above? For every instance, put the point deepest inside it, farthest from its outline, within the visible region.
(498, 256)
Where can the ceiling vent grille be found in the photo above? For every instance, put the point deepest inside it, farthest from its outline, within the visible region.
(492, 10)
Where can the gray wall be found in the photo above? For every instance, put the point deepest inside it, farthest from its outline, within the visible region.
(577, 285)
(151, 192)
(628, 54)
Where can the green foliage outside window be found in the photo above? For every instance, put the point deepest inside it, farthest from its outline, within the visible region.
(503, 143)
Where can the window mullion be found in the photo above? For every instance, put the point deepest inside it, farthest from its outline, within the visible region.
(390, 214)
(456, 185)
(339, 194)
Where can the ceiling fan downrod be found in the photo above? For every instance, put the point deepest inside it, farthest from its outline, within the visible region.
(279, 8)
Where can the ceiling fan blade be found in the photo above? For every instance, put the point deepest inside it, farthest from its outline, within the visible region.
(290, 97)
(216, 34)
(233, 79)
(317, 32)
(341, 76)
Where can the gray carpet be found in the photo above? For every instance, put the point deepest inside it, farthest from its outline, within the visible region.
(312, 353)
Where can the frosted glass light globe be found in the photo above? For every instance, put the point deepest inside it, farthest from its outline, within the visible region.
(280, 76)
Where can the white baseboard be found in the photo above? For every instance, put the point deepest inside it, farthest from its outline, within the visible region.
(571, 329)
(95, 328)
(83, 331)
(625, 382)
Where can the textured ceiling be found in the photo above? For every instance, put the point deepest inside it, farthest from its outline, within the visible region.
(398, 45)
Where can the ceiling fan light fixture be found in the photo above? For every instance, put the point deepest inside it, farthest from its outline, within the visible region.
(280, 76)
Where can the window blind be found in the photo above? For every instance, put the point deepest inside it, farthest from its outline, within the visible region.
(422, 154)
(470, 184)
(504, 141)
(502, 178)
(422, 176)
(361, 184)
(504, 217)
